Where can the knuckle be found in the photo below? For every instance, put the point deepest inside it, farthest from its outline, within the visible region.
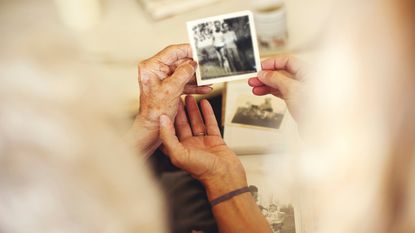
(171, 47)
(267, 75)
(271, 75)
(190, 88)
(186, 69)
(167, 92)
(173, 159)
(176, 160)
(200, 129)
(142, 64)
(181, 123)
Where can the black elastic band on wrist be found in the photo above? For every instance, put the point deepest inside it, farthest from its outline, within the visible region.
(229, 195)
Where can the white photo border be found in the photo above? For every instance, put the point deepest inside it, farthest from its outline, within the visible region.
(191, 24)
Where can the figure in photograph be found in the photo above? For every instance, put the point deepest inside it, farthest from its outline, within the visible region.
(280, 217)
(242, 31)
(206, 51)
(254, 192)
(259, 114)
(266, 109)
(275, 217)
(231, 50)
(219, 44)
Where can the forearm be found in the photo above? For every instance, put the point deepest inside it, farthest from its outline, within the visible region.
(144, 137)
(239, 214)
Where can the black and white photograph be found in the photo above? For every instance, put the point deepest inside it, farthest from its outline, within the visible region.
(281, 217)
(272, 193)
(258, 111)
(251, 126)
(225, 47)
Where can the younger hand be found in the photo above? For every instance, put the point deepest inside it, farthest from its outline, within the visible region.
(282, 77)
(199, 149)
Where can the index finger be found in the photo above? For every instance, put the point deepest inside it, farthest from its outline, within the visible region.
(210, 119)
(282, 62)
(174, 53)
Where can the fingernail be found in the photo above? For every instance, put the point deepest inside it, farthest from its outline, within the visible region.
(262, 73)
(193, 63)
(205, 90)
(164, 120)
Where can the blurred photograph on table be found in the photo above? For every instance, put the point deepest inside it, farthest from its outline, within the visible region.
(161, 9)
(263, 112)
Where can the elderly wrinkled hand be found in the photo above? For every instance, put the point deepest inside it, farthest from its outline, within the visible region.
(163, 78)
(282, 77)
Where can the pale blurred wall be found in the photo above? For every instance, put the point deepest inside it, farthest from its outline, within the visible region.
(32, 32)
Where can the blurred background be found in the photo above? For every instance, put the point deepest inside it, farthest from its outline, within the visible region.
(106, 39)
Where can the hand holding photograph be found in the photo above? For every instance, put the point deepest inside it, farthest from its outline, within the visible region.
(225, 47)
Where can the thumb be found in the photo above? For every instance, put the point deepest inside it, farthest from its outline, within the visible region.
(277, 80)
(175, 150)
(182, 75)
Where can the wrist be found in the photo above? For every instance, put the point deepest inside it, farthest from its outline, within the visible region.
(147, 122)
(144, 135)
(221, 184)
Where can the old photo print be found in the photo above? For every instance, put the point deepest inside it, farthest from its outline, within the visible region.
(272, 192)
(280, 216)
(258, 111)
(225, 47)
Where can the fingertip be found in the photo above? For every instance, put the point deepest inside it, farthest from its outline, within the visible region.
(204, 102)
(180, 107)
(262, 73)
(206, 106)
(186, 69)
(251, 81)
(189, 98)
(193, 63)
(255, 82)
(263, 76)
(205, 90)
(260, 91)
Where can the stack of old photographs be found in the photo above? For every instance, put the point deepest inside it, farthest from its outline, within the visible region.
(160, 9)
